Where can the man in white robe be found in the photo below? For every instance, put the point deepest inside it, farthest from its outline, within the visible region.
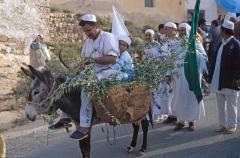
(166, 88)
(187, 107)
(152, 50)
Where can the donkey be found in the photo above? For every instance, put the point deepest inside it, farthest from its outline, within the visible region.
(40, 97)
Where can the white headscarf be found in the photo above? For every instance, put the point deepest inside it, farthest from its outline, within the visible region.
(187, 27)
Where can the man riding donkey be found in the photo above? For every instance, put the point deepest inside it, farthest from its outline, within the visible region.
(101, 50)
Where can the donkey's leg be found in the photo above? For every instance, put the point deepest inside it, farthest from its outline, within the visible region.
(145, 125)
(85, 147)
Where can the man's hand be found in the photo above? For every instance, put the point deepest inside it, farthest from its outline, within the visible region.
(89, 61)
(80, 66)
(83, 64)
(208, 79)
(140, 55)
(168, 79)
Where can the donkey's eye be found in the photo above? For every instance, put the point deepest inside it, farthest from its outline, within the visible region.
(35, 92)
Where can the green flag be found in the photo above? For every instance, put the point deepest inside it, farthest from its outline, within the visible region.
(190, 62)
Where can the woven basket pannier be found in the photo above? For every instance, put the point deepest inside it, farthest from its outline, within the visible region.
(126, 103)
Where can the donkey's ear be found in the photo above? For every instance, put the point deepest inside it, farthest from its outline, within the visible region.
(36, 73)
(27, 72)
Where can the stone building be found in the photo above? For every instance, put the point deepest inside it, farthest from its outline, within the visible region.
(141, 12)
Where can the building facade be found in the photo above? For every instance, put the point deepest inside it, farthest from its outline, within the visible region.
(156, 11)
(208, 10)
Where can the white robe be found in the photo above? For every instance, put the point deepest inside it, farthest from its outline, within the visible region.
(187, 107)
(164, 95)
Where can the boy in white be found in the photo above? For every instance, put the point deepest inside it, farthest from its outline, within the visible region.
(125, 62)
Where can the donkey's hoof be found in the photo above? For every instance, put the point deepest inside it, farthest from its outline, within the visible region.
(130, 149)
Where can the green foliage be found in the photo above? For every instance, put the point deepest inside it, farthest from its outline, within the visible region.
(70, 54)
(21, 88)
(20, 92)
(152, 71)
(93, 88)
(67, 11)
(148, 71)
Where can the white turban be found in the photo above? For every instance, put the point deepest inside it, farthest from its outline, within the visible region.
(187, 27)
(171, 25)
(151, 31)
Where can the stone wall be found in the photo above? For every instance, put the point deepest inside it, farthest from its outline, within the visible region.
(64, 27)
(20, 19)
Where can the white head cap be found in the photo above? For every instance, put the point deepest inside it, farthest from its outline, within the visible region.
(126, 39)
(89, 17)
(228, 25)
(171, 24)
(187, 27)
(151, 31)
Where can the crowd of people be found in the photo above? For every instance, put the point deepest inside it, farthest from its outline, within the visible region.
(218, 62)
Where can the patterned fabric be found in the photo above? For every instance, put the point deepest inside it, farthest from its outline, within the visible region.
(151, 49)
(124, 63)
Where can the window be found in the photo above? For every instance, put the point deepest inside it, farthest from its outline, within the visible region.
(149, 3)
(190, 13)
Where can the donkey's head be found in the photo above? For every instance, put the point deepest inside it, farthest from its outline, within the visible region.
(40, 92)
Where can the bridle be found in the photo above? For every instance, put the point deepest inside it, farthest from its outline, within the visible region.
(49, 96)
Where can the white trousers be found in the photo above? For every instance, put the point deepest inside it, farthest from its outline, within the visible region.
(162, 98)
(227, 107)
(86, 109)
